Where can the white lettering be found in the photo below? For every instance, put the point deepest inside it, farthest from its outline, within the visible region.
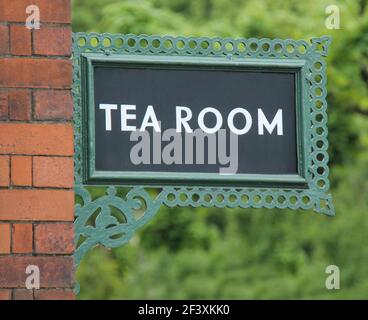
(248, 119)
(125, 117)
(276, 122)
(183, 121)
(218, 120)
(150, 120)
(108, 108)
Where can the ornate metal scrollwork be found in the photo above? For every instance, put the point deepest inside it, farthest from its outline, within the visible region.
(111, 218)
(98, 223)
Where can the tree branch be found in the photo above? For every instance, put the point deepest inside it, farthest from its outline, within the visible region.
(363, 4)
(357, 109)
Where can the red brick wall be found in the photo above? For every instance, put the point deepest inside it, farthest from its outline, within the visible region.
(36, 150)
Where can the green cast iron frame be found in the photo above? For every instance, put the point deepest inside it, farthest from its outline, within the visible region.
(111, 213)
(91, 60)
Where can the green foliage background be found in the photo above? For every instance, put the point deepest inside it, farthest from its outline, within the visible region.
(244, 254)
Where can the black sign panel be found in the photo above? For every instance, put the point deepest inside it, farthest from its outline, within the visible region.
(244, 103)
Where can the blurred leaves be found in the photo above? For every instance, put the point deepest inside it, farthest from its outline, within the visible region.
(242, 254)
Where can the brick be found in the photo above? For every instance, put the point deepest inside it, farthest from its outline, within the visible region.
(36, 205)
(53, 41)
(4, 104)
(5, 294)
(23, 294)
(53, 105)
(5, 238)
(54, 238)
(4, 171)
(22, 238)
(20, 104)
(57, 172)
(37, 139)
(20, 40)
(55, 271)
(54, 294)
(21, 170)
(50, 10)
(35, 73)
(4, 39)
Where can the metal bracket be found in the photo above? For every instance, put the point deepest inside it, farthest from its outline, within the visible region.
(109, 215)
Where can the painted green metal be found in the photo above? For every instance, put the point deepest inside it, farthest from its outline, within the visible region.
(110, 214)
(91, 60)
